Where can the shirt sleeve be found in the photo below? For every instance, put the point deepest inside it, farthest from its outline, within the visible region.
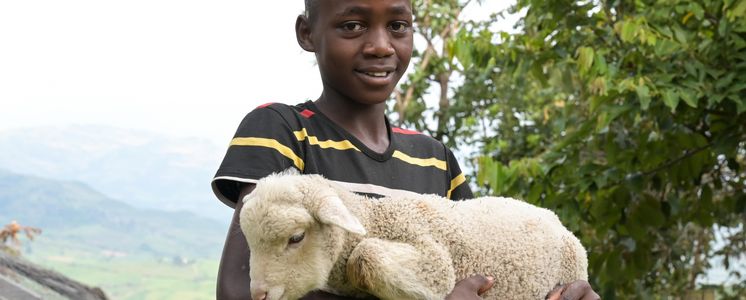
(459, 188)
(263, 144)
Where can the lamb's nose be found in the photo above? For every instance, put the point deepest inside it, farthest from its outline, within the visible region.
(258, 290)
(259, 296)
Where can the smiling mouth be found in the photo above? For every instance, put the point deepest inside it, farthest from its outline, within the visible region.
(376, 74)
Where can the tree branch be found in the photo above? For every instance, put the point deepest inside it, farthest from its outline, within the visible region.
(404, 99)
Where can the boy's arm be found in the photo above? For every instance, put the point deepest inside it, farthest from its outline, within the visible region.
(233, 274)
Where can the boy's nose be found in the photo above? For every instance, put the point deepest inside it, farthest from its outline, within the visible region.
(378, 44)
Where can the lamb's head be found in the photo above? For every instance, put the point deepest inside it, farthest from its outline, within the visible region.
(295, 226)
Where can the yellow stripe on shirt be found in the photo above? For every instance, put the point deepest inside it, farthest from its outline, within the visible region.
(270, 143)
(302, 135)
(422, 162)
(455, 183)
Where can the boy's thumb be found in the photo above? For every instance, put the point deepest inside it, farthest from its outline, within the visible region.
(485, 284)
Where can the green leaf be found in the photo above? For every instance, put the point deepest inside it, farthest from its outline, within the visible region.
(613, 266)
(600, 64)
(596, 102)
(723, 27)
(666, 47)
(643, 93)
(636, 229)
(585, 59)
(598, 87)
(649, 212)
(451, 49)
(705, 207)
(738, 11)
(724, 81)
(484, 168)
(629, 31)
(534, 193)
(681, 35)
(741, 204)
(740, 106)
(671, 99)
(733, 89)
(609, 114)
(697, 10)
(463, 53)
(690, 69)
(689, 97)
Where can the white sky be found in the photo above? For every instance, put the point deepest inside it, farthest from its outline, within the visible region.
(179, 67)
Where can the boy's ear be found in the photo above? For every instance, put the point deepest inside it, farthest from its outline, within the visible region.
(303, 33)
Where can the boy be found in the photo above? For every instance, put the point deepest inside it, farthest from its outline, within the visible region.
(363, 48)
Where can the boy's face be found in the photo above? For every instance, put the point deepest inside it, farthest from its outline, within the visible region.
(362, 47)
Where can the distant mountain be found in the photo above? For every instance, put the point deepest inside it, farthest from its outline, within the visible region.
(139, 168)
(132, 253)
(73, 215)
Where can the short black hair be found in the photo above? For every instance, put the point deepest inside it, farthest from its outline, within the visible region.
(311, 9)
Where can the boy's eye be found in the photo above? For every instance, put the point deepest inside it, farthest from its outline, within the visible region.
(399, 26)
(352, 26)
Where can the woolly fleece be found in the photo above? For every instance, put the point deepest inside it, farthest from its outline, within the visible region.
(415, 247)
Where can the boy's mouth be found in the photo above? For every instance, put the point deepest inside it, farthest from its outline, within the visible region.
(377, 74)
(376, 71)
(380, 74)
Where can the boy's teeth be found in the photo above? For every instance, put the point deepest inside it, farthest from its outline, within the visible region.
(376, 74)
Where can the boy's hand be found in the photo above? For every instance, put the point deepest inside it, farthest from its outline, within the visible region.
(471, 288)
(576, 290)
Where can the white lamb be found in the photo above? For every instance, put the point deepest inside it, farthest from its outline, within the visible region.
(306, 233)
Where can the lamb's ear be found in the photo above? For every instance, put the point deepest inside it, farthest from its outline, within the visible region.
(333, 211)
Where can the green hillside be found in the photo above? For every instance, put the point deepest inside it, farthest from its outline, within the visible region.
(130, 253)
(138, 168)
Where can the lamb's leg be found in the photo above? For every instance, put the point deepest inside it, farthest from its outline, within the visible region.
(392, 270)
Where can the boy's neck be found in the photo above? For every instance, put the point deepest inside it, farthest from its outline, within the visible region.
(364, 121)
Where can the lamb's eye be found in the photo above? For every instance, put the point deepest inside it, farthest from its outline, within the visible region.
(296, 238)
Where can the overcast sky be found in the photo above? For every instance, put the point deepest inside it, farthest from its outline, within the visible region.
(179, 67)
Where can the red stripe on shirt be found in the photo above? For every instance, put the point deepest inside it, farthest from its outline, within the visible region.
(306, 113)
(265, 105)
(403, 131)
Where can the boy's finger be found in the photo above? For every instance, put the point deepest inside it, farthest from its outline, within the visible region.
(486, 284)
(556, 293)
(579, 290)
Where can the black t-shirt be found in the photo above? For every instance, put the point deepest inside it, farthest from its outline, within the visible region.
(275, 137)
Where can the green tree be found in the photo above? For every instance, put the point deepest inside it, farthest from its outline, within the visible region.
(437, 24)
(627, 118)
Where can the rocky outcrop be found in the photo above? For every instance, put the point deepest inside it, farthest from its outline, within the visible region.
(13, 267)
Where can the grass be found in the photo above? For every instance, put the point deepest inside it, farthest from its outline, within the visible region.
(130, 276)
